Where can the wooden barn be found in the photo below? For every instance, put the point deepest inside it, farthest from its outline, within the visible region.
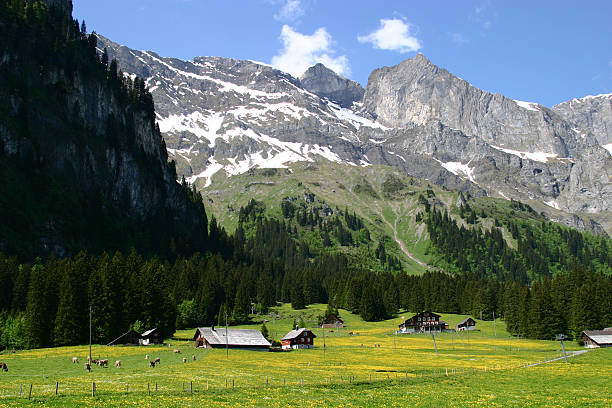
(298, 339)
(131, 338)
(209, 337)
(152, 336)
(466, 324)
(332, 321)
(423, 322)
(597, 338)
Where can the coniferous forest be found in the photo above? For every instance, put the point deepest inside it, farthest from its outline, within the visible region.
(66, 250)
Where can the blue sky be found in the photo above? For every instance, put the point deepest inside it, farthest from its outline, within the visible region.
(537, 51)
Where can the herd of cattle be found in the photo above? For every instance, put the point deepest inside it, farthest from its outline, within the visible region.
(104, 362)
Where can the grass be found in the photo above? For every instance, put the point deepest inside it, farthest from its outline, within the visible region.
(484, 370)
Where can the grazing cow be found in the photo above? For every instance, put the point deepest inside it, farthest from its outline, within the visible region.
(146, 356)
(184, 360)
(177, 351)
(157, 360)
(193, 358)
(75, 360)
(88, 366)
(3, 366)
(151, 364)
(118, 364)
(103, 363)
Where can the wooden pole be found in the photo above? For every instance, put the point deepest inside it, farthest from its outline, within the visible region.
(56, 387)
(90, 311)
(226, 337)
(93, 389)
(19, 390)
(30, 393)
(433, 336)
(148, 389)
(191, 387)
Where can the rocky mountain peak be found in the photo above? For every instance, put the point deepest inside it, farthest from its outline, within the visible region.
(325, 83)
(589, 114)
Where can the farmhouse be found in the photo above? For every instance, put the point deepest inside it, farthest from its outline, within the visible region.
(152, 336)
(597, 338)
(298, 339)
(467, 324)
(332, 321)
(209, 337)
(422, 322)
(131, 338)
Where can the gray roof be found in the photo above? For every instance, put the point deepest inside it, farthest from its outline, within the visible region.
(148, 332)
(599, 336)
(295, 333)
(235, 337)
(464, 321)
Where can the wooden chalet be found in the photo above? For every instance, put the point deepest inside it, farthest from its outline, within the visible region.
(332, 321)
(131, 338)
(298, 339)
(597, 338)
(466, 324)
(423, 322)
(211, 337)
(152, 336)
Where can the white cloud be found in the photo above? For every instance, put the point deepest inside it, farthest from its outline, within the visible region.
(302, 51)
(290, 11)
(393, 35)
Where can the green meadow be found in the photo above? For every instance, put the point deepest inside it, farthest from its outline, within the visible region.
(370, 367)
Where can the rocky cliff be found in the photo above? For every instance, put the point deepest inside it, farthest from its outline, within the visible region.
(83, 163)
(591, 114)
(325, 83)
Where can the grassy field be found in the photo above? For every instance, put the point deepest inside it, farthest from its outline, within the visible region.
(373, 368)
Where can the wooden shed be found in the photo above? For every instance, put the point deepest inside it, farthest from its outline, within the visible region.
(209, 337)
(332, 321)
(597, 338)
(152, 336)
(467, 324)
(298, 339)
(131, 338)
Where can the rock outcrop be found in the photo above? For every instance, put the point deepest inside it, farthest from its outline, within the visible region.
(325, 83)
(591, 114)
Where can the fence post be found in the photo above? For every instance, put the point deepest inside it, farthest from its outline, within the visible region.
(93, 389)
(127, 388)
(232, 383)
(266, 381)
(207, 385)
(19, 390)
(301, 381)
(30, 394)
(191, 387)
(183, 386)
(56, 386)
(284, 380)
(148, 389)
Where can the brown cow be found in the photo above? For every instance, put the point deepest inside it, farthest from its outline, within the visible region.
(88, 366)
(3, 366)
(75, 360)
(157, 360)
(103, 363)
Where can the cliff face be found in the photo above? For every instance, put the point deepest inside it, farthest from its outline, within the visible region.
(325, 83)
(83, 164)
(589, 114)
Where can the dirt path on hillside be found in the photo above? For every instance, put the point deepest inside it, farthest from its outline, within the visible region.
(569, 354)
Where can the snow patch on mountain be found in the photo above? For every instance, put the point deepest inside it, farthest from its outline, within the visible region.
(527, 105)
(541, 157)
(608, 147)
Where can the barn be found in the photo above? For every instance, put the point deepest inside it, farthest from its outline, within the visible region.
(152, 336)
(332, 321)
(298, 339)
(423, 322)
(131, 338)
(209, 337)
(597, 338)
(467, 324)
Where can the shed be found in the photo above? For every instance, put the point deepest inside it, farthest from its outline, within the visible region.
(209, 337)
(467, 324)
(332, 321)
(298, 339)
(597, 338)
(152, 336)
(130, 338)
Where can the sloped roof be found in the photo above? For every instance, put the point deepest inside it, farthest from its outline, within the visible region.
(599, 336)
(145, 334)
(464, 321)
(296, 333)
(235, 337)
(125, 336)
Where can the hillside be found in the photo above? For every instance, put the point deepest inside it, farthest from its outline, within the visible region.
(83, 164)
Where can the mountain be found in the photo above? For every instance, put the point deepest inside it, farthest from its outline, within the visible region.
(222, 117)
(590, 114)
(325, 83)
(82, 163)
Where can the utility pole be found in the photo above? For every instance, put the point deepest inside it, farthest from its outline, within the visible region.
(323, 340)
(433, 336)
(562, 337)
(226, 337)
(90, 311)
